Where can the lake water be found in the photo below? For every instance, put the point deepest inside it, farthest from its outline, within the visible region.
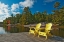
(3, 30)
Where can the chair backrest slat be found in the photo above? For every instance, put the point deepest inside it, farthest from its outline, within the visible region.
(48, 27)
(37, 26)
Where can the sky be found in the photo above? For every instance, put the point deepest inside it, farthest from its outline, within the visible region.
(8, 7)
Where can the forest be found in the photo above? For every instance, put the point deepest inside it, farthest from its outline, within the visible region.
(26, 17)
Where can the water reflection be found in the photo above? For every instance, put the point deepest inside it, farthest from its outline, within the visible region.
(59, 32)
(10, 29)
(2, 30)
(17, 29)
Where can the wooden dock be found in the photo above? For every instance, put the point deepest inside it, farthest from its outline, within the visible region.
(26, 37)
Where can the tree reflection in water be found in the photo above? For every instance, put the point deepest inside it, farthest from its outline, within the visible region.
(57, 32)
(2, 30)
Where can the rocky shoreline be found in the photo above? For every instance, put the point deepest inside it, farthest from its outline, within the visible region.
(26, 37)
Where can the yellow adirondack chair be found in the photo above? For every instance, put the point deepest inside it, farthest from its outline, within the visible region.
(34, 30)
(46, 30)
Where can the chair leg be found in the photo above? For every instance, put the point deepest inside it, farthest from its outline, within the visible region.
(34, 34)
(29, 32)
(38, 36)
(46, 37)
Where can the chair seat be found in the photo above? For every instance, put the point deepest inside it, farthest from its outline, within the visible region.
(42, 33)
(32, 31)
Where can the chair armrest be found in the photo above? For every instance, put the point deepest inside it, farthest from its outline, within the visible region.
(51, 29)
(41, 28)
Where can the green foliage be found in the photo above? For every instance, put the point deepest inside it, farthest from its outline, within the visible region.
(26, 17)
(56, 5)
